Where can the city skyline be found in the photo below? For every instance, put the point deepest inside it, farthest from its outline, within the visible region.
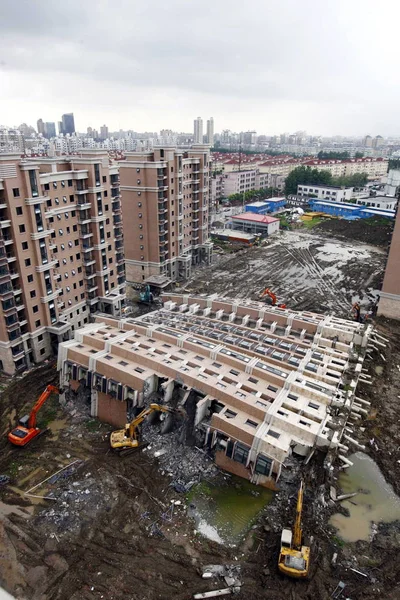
(278, 68)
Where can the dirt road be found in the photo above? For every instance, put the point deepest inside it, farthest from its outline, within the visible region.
(306, 270)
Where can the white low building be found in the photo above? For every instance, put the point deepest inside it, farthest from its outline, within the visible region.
(325, 192)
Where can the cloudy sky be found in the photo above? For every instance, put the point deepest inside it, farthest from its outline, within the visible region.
(269, 65)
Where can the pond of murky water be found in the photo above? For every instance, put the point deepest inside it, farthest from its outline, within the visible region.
(375, 502)
(225, 512)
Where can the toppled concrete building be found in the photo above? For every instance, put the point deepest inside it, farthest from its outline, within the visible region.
(269, 383)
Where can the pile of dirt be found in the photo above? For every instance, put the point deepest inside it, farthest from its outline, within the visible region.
(376, 231)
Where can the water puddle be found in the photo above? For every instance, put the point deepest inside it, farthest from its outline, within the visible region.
(224, 513)
(56, 426)
(376, 502)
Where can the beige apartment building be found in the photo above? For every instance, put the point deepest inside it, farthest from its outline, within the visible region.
(389, 302)
(165, 205)
(270, 384)
(61, 250)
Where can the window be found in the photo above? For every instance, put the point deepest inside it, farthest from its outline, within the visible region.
(56, 200)
(274, 434)
(18, 210)
(71, 198)
(16, 192)
(293, 397)
(33, 294)
(241, 453)
(139, 370)
(123, 363)
(22, 228)
(251, 423)
(63, 184)
(55, 185)
(272, 388)
(24, 245)
(263, 465)
(234, 372)
(30, 278)
(27, 262)
(229, 414)
(40, 338)
(37, 323)
(314, 406)
(42, 351)
(253, 380)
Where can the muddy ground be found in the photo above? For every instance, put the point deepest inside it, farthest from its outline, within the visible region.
(107, 534)
(306, 270)
(106, 529)
(375, 231)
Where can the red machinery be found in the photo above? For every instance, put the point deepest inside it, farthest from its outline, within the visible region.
(26, 429)
(272, 298)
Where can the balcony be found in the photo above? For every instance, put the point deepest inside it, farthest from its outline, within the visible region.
(91, 287)
(117, 220)
(4, 224)
(17, 352)
(120, 258)
(121, 280)
(118, 233)
(87, 247)
(89, 273)
(85, 233)
(88, 261)
(83, 205)
(6, 289)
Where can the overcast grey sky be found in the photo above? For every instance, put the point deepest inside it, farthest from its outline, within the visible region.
(269, 65)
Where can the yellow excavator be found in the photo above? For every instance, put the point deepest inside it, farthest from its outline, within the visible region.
(128, 438)
(294, 558)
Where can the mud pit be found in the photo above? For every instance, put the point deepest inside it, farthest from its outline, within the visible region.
(305, 270)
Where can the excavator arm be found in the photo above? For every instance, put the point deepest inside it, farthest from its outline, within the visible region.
(42, 399)
(133, 425)
(267, 292)
(297, 532)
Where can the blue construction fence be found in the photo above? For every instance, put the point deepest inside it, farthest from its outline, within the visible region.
(349, 211)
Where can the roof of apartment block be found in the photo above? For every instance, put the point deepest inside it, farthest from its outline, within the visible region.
(262, 364)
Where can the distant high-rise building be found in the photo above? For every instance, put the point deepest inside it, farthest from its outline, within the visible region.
(198, 130)
(210, 131)
(60, 128)
(40, 126)
(68, 123)
(377, 142)
(368, 141)
(104, 132)
(50, 129)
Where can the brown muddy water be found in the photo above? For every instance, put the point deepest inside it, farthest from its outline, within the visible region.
(375, 502)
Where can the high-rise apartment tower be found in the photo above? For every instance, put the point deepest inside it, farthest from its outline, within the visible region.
(61, 251)
(165, 197)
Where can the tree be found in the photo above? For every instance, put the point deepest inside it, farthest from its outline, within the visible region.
(356, 180)
(359, 155)
(333, 155)
(305, 175)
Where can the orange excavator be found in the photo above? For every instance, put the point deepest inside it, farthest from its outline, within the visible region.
(26, 429)
(272, 299)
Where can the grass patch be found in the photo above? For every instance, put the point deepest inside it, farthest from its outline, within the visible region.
(338, 541)
(93, 425)
(312, 223)
(12, 469)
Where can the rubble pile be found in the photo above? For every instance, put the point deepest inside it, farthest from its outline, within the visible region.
(77, 501)
(185, 464)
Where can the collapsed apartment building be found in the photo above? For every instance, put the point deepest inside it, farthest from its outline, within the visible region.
(269, 383)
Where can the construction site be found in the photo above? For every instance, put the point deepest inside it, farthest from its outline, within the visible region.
(240, 438)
